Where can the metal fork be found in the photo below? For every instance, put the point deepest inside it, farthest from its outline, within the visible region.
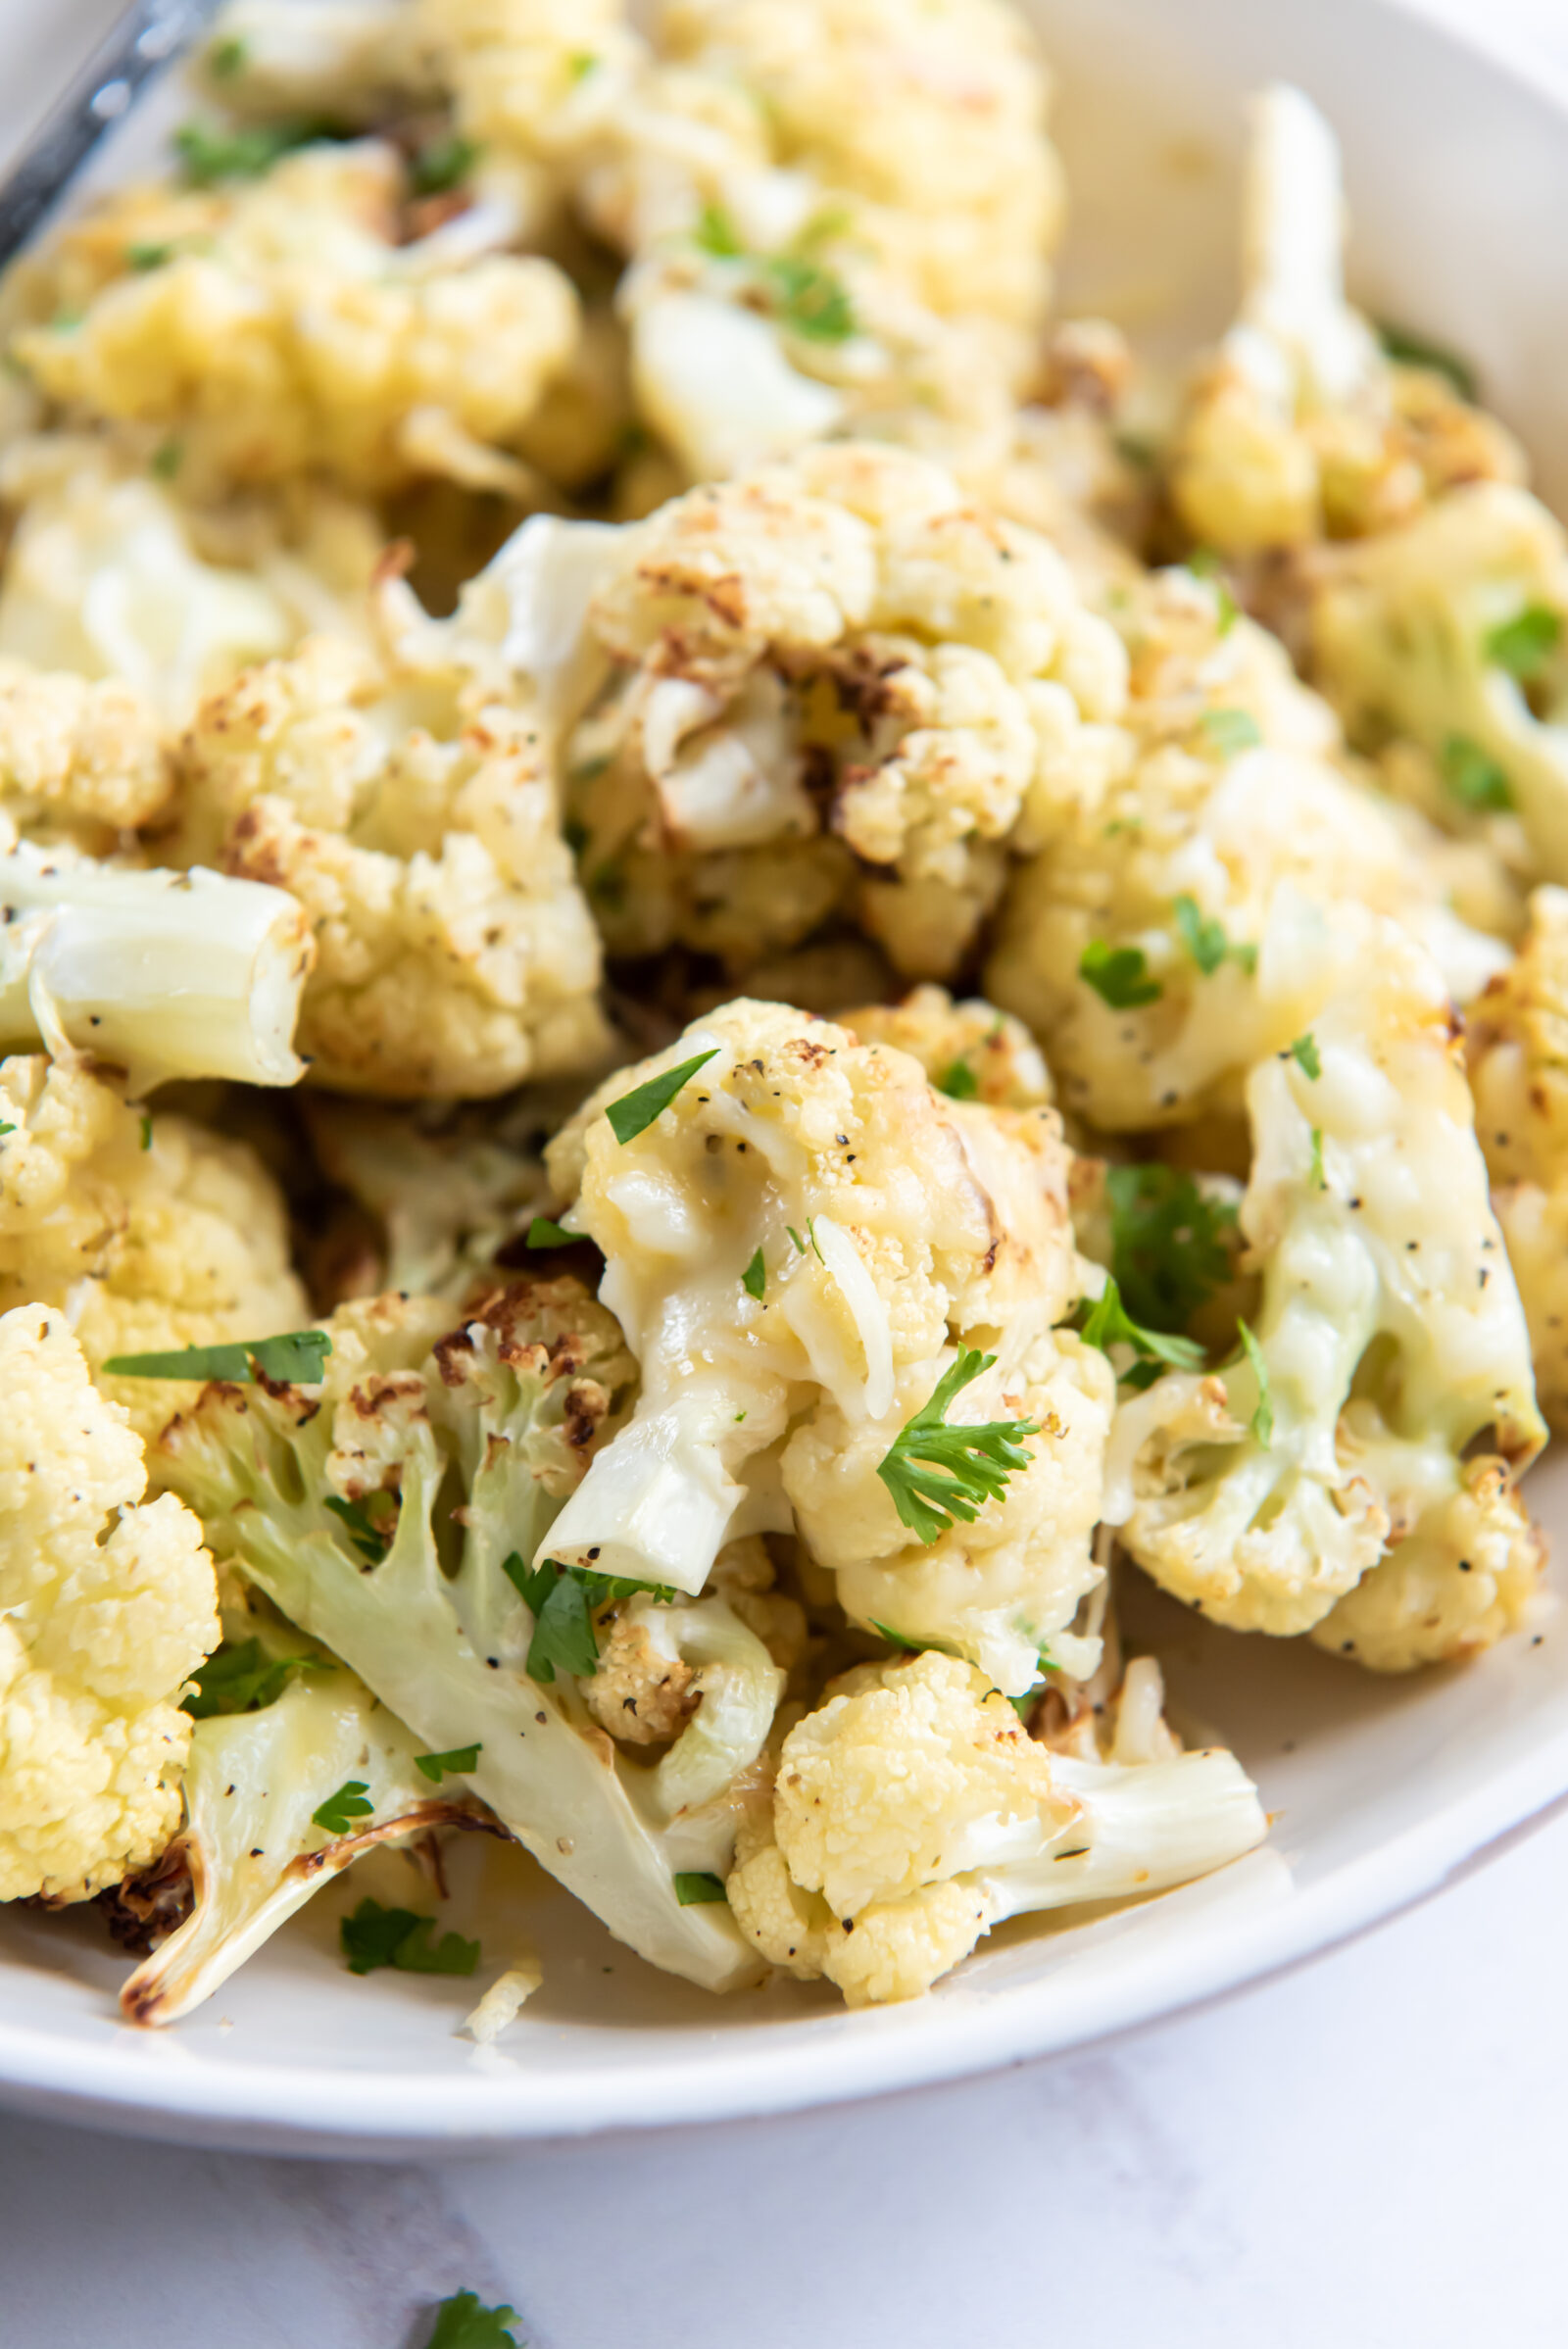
(135, 48)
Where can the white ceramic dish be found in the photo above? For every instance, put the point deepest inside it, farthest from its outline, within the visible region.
(1459, 166)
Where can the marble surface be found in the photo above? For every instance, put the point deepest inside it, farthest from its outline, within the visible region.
(1367, 2152)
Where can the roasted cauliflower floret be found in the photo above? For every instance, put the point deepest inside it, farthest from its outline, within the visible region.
(1389, 1333)
(279, 328)
(1298, 429)
(840, 669)
(80, 758)
(1130, 941)
(1461, 1579)
(107, 1604)
(970, 1052)
(796, 1246)
(414, 818)
(911, 1812)
(152, 1232)
(1518, 1047)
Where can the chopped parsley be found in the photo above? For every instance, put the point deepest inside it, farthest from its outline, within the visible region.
(1204, 563)
(209, 153)
(340, 1810)
(465, 2322)
(1107, 1323)
(808, 298)
(1315, 1174)
(374, 1937)
(294, 1360)
(7, 1125)
(1417, 350)
(958, 1082)
(1304, 1053)
(370, 1529)
(1204, 936)
(1231, 731)
(1473, 777)
(444, 163)
(1168, 1244)
(580, 64)
(694, 1887)
(542, 1232)
(1261, 1422)
(1120, 975)
(562, 1600)
(1524, 645)
(165, 460)
(141, 257)
(635, 1111)
(938, 1473)
(753, 1280)
(436, 1766)
(227, 58)
(243, 1678)
(146, 1132)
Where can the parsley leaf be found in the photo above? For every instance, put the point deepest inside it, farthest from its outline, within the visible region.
(1120, 975)
(1167, 1247)
(965, 1466)
(635, 1111)
(165, 460)
(1202, 934)
(443, 165)
(340, 1810)
(295, 1360)
(1231, 730)
(1204, 563)
(958, 1082)
(1107, 1323)
(435, 1766)
(716, 233)
(1261, 1422)
(1315, 1173)
(210, 154)
(243, 1678)
(542, 1232)
(1474, 776)
(753, 1280)
(808, 298)
(1415, 351)
(561, 1599)
(465, 2322)
(374, 1937)
(146, 1132)
(227, 58)
(371, 1535)
(148, 257)
(1304, 1053)
(694, 1886)
(1525, 644)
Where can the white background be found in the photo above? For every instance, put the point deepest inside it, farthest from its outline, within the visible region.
(1370, 2153)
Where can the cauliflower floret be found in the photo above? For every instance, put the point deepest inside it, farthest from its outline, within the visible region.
(970, 1052)
(1460, 1581)
(414, 818)
(80, 757)
(794, 1248)
(106, 1608)
(108, 574)
(281, 329)
(1449, 633)
(1298, 429)
(911, 1812)
(151, 1232)
(1130, 942)
(1518, 1046)
(642, 1688)
(834, 687)
(1389, 1333)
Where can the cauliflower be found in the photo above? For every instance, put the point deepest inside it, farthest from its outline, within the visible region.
(1298, 429)
(389, 1513)
(1518, 1047)
(279, 327)
(798, 1248)
(833, 685)
(1130, 941)
(151, 1232)
(911, 1812)
(294, 61)
(1389, 1337)
(107, 1604)
(414, 818)
(80, 758)
(970, 1052)
(1448, 633)
(109, 574)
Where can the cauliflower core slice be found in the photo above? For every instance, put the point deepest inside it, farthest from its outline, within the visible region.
(414, 818)
(795, 1247)
(1390, 1334)
(911, 1812)
(832, 687)
(107, 1604)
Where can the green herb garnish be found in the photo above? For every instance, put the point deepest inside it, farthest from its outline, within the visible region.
(542, 1232)
(465, 2322)
(1168, 1251)
(1315, 1174)
(444, 163)
(1107, 1323)
(227, 58)
(958, 1082)
(165, 460)
(1473, 777)
(340, 1810)
(294, 1360)
(1120, 975)
(694, 1886)
(1416, 351)
(1261, 1422)
(1304, 1053)
(146, 1132)
(808, 298)
(1204, 563)
(753, 1280)
(636, 1110)
(436, 1766)
(1202, 934)
(1231, 730)
(244, 1679)
(148, 257)
(371, 1536)
(210, 154)
(374, 1937)
(562, 1600)
(936, 1473)
(1524, 645)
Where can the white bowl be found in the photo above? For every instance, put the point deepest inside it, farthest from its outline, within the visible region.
(1459, 172)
